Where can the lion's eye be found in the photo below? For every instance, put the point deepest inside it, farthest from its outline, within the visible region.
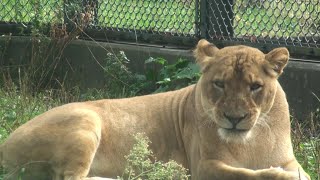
(255, 87)
(219, 84)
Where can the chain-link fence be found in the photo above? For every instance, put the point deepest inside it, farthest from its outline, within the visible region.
(284, 22)
(181, 22)
(26, 12)
(156, 16)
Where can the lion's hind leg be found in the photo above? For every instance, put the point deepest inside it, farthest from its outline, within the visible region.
(65, 139)
(73, 159)
(77, 145)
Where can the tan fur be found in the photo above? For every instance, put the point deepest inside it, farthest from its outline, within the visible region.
(192, 126)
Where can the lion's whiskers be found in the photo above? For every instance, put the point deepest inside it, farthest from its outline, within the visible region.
(208, 118)
(263, 123)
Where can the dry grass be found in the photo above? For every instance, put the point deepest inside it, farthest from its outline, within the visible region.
(306, 143)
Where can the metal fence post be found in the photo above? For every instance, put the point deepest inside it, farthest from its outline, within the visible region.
(219, 18)
(203, 19)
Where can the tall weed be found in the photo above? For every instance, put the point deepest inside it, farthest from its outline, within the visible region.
(306, 143)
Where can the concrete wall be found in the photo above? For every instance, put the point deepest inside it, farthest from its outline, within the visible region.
(82, 60)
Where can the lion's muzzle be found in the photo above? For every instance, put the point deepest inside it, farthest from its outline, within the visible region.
(234, 120)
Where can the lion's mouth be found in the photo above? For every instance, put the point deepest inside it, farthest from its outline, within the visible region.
(234, 134)
(236, 130)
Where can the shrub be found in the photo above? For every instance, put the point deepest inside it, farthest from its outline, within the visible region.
(161, 76)
(140, 166)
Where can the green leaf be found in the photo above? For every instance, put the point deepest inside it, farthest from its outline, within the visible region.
(156, 60)
(190, 72)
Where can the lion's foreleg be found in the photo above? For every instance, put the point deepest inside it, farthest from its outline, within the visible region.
(214, 170)
(294, 166)
(86, 178)
(98, 178)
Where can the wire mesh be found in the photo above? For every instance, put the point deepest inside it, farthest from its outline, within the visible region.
(155, 16)
(31, 11)
(283, 22)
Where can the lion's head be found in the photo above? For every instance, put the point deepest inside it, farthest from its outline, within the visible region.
(238, 85)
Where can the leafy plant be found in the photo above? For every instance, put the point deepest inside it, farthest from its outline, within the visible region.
(159, 75)
(140, 166)
(118, 76)
(163, 76)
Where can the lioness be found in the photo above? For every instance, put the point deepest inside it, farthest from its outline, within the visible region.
(233, 124)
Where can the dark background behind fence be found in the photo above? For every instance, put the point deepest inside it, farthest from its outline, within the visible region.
(262, 23)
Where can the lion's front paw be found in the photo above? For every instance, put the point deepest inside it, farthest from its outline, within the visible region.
(280, 174)
(98, 178)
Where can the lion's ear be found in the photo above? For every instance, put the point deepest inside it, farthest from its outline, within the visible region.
(277, 59)
(203, 51)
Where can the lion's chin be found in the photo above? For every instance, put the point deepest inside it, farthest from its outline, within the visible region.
(234, 135)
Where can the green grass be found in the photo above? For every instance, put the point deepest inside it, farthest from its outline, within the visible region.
(306, 144)
(17, 108)
(307, 153)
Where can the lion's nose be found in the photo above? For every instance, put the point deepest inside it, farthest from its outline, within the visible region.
(234, 119)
